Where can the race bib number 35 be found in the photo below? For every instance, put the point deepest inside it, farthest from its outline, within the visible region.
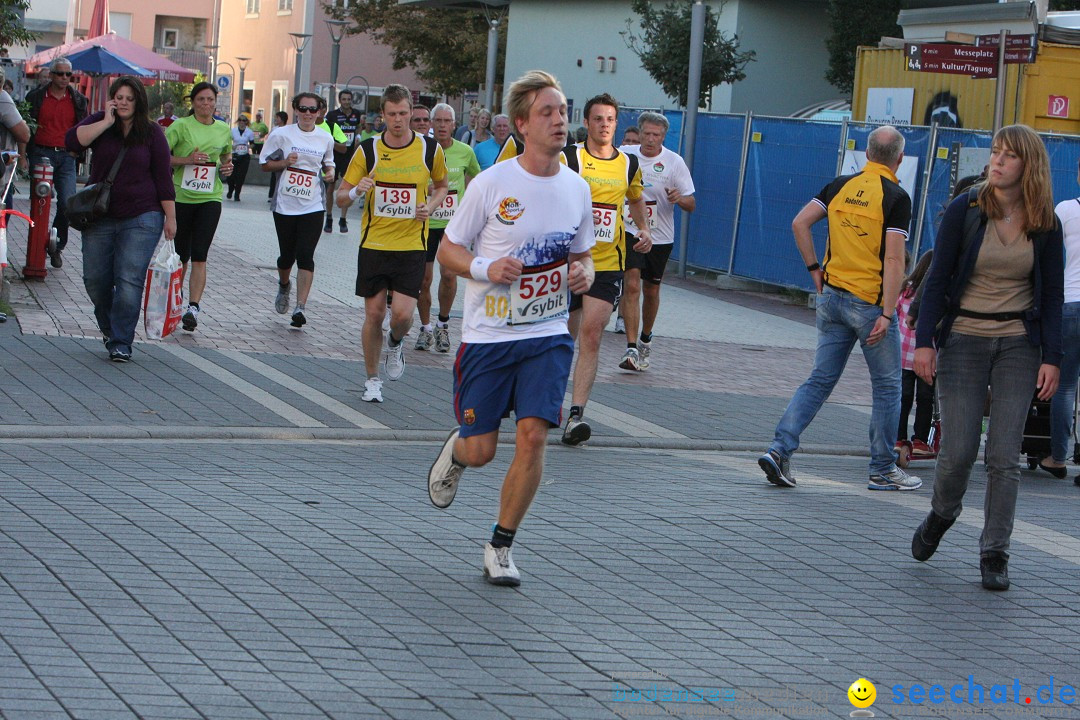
(199, 178)
(541, 293)
(395, 200)
(446, 210)
(299, 183)
(604, 216)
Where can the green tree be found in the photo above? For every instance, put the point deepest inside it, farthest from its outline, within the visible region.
(663, 45)
(854, 23)
(447, 48)
(12, 23)
(1056, 5)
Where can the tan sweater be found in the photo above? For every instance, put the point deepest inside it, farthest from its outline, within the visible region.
(1000, 282)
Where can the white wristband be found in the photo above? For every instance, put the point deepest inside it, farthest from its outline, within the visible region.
(479, 268)
(353, 194)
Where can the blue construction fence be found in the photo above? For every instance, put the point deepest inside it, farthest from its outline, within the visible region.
(745, 229)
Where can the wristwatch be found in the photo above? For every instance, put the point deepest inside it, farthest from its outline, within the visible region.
(812, 268)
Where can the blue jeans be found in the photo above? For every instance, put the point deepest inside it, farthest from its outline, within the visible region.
(116, 253)
(967, 365)
(843, 318)
(63, 165)
(1061, 407)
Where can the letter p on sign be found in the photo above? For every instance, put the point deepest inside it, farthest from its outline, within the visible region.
(1058, 106)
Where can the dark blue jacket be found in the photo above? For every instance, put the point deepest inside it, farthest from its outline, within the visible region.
(952, 268)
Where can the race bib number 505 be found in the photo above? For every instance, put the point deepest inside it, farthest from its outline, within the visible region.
(395, 200)
(540, 293)
(299, 183)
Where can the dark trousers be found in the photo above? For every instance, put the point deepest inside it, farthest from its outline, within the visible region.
(239, 174)
(913, 388)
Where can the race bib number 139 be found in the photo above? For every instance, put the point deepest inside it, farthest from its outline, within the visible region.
(395, 200)
(541, 293)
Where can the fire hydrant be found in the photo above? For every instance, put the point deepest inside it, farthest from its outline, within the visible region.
(37, 246)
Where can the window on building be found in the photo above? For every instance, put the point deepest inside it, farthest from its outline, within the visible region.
(170, 38)
(252, 7)
(120, 23)
(280, 96)
(284, 5)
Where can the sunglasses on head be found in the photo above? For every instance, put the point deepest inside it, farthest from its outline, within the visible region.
(307, 108)
(66, 73)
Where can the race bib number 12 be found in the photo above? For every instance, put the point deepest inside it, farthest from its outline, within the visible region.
(199, 178)
(540, 293)
(395, 200)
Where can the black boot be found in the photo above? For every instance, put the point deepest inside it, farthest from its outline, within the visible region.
(927, 536)
(995, 571)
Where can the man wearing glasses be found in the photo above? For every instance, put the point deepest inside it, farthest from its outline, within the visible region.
(57, 107)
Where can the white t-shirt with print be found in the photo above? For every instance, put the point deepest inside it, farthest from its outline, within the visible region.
(509, 212)
(1068, 211)
(659, 174)
(314, 150)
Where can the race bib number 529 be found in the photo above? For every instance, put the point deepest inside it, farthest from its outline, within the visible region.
(540, 293)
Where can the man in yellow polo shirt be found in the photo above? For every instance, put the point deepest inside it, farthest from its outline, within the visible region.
(392, 171)
(614, 179)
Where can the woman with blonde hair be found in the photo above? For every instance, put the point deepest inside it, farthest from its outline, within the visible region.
(482, 131)
(992, 304)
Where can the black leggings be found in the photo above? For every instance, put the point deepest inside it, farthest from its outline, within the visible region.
(196, 224)
(297, 237)
(915, 389)
(239, 174)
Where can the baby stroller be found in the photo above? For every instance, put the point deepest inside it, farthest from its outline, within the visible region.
(1036, 444)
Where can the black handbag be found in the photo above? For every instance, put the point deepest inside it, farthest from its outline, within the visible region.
(92, 202)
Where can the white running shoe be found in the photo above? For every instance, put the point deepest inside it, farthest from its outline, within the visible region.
(895, 479)
(281, 302)
(620, 326)
(631, 360)
(424, 340)
(373, 390)
(386, 321)
(644, 349)
(499, 567)
(442, 339)
(444, 474)
(393, 358)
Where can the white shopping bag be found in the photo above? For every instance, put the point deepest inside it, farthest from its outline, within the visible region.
(164, 297)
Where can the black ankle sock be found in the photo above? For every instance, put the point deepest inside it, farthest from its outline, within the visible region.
(444, 319)
(393, 342)
(501, 537)
(646, 337)
(194, 305)
(631, 346)
(577, 410)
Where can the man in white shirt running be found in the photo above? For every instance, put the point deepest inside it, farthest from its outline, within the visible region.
(529, 223)
(667, 183)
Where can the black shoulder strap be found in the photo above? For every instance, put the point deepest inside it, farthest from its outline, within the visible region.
(368, 148)
(116, 165)
(430, 146)
(570, 152)
(972, 220)
(632, 164)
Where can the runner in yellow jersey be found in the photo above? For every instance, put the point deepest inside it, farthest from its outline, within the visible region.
(393, 172)
(614, 179)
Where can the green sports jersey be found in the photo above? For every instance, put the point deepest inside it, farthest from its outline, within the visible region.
(335, 131)
(460, 163)
(198, 183)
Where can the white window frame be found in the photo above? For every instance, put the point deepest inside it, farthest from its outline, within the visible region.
(252, 8)
(165, 33)
(284, 7)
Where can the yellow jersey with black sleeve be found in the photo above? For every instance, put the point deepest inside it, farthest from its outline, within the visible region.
(862, 208)
(511, 148)
(401, 178)
(613, 181)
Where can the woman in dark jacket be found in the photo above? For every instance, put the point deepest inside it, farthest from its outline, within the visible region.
(993, 305)
(118, 247)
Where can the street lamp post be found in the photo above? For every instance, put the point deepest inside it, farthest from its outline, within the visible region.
(337, 32)
(242, 62)
(299, 41)
(212, 49)
(489, 74)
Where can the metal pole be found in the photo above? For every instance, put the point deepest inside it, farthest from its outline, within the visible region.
(296, 77)
(739, 192)
(843, 148)
(931, 152)
(489, 74)
(335, 52)
(999, 95)
(240, 92)
(693, 97)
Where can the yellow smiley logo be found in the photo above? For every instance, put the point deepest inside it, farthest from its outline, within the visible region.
(862, 693)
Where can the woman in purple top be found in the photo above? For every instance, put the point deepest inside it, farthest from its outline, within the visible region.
(118, 247)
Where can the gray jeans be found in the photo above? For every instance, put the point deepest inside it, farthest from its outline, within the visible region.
(967, 365)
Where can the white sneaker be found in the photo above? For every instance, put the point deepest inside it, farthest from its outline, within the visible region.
(644, 349)
(895, 479)
(631, 361)
(620, 326)
(393, 358)
(444, 474)
(386, 321)
(499, 567)
(424, 340)
(281, 302)
(373, 390)
(442, 339)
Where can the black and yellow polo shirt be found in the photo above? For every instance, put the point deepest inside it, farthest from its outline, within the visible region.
(613, 181)
(861, 209)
